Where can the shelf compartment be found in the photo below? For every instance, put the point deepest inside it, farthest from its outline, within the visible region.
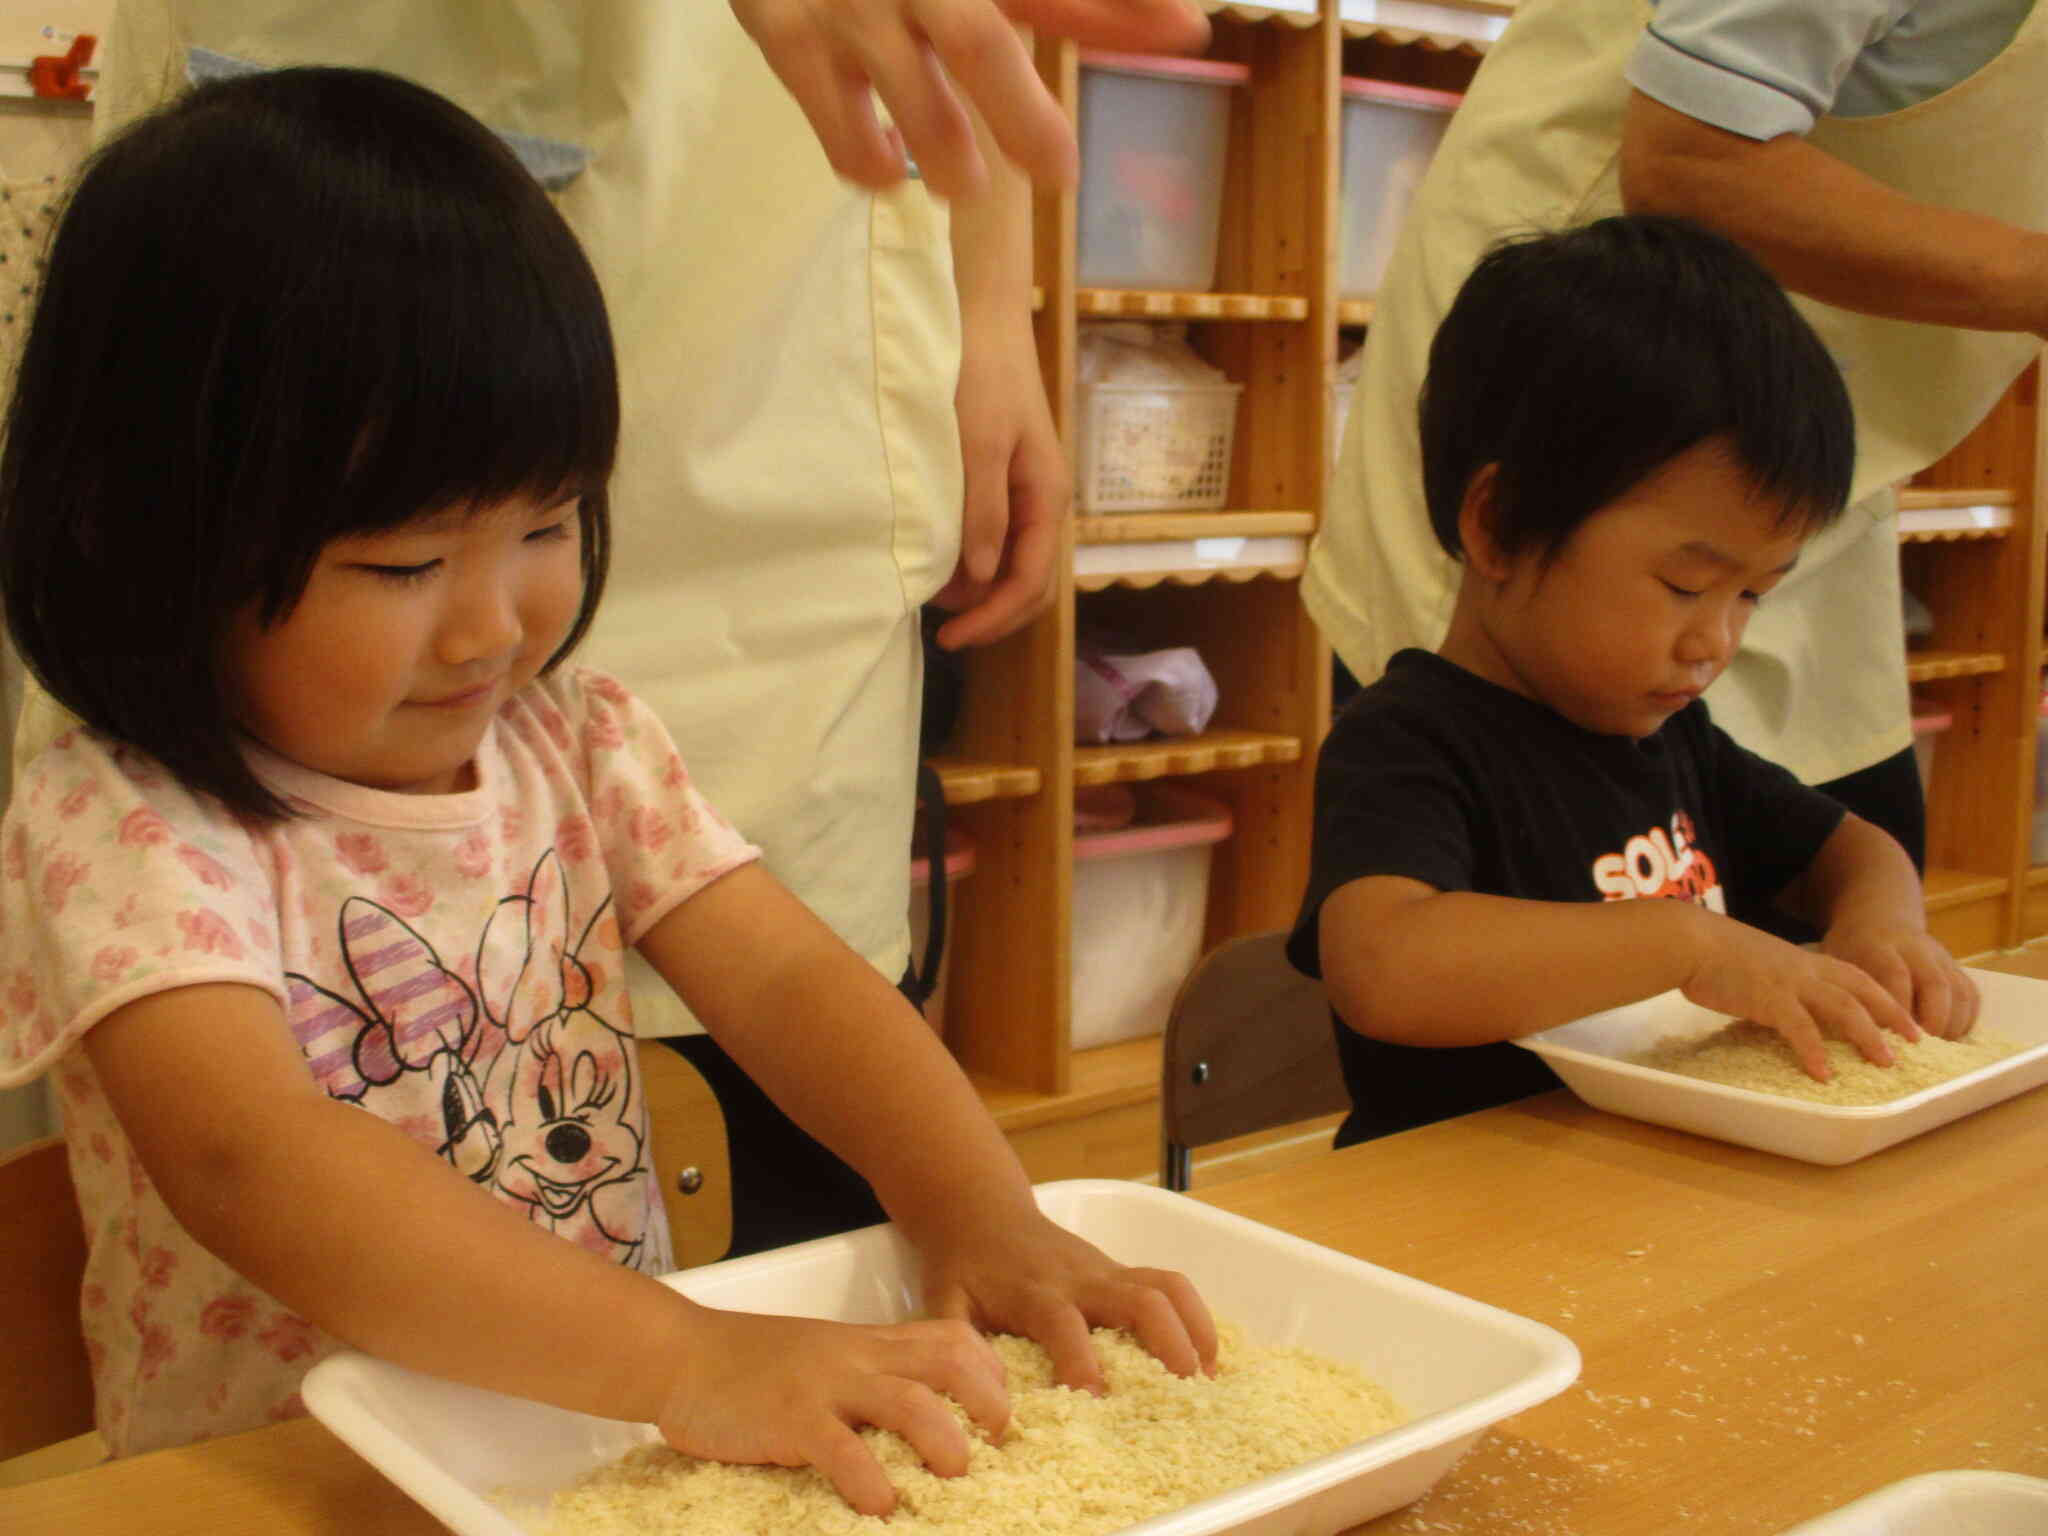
(966, 782)
(1187, 562)
(1944, 888)
(1160, 304)
(1128, 762)
(1150, 527)
(1967, 912)
(1108, 1077)
(1933, 666)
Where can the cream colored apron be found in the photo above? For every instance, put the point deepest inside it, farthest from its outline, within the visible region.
(1819, 684)
(789, 482)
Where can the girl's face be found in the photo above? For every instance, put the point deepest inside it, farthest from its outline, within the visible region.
(1643, 605)
(407, 640)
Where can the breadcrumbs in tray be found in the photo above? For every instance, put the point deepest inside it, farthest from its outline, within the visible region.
(1071, 1464)
(1750, 1055)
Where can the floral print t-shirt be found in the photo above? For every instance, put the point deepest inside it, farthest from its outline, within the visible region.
(451, 963)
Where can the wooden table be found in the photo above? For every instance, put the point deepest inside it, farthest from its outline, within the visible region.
(1763, 1340)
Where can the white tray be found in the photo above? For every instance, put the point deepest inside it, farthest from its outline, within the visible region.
(1942, 1504)
(1455, 1365)
(1588, 1054)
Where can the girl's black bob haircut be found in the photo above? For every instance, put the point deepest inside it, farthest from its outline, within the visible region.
(1581, 361)
(284, 308)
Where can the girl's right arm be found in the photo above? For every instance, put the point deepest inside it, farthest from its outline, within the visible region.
(1407, 963)
(362, 1231)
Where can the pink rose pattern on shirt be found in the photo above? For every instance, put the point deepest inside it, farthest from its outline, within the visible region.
(452, 964)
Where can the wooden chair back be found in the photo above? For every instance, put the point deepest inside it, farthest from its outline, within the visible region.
(690, 1155)
(1248, 1047)
(45, 1378)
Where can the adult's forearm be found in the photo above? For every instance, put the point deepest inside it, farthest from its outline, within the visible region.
(1833, 233)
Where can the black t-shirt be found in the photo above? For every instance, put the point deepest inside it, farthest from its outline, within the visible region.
(1438, 775)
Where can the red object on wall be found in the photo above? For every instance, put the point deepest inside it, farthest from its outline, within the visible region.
(50, 75)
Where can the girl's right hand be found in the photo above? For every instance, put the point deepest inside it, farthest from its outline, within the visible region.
(791, 1392)
(1804, 995)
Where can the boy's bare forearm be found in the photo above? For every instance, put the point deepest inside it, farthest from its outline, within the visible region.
(1455, 968)
(1829, 230)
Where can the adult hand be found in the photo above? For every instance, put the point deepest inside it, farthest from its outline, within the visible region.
(1017, 489)
(915, 54)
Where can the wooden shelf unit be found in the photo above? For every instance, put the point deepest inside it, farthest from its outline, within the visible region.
(1983, 666)
(1270, 324)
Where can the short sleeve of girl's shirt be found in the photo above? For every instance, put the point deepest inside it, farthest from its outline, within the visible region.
(116, 882)
(660, 840)
(1759, 68)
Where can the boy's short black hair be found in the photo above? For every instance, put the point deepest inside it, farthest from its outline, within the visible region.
(284, 308)
(1581, 361)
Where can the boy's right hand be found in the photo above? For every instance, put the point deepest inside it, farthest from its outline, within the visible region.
(1804, 995)
(791, 1392)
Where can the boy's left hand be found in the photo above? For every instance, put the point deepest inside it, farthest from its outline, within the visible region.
(1916, 968)
(1035, 1278)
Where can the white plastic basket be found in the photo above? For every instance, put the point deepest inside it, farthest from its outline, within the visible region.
(1155, 447)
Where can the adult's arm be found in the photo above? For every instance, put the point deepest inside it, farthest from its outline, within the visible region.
(1830, 231)
(1018, 491)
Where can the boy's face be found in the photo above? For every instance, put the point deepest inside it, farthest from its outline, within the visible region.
(1641, 608)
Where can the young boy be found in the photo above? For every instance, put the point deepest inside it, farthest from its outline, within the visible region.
(1628, 436)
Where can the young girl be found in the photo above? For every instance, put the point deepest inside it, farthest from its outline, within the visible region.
(318, 915)
(1628, 434)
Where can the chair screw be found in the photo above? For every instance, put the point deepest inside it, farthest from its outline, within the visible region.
(690, 1180)
(1200, 1074)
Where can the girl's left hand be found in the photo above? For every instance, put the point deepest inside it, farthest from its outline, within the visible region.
(1036, 1279)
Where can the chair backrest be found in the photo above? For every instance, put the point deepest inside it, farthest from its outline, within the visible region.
(1248, 1046)
(45, 1378)
(687, 1131)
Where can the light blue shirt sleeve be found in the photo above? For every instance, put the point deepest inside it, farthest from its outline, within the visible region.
(1762, 68)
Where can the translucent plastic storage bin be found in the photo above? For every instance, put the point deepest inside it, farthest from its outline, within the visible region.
(1390, 133)
(1155, 447)
(1153, 138)
(1141, 897)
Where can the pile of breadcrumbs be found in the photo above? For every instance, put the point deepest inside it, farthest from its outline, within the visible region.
(1071, 1464)
(1750, 1055)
